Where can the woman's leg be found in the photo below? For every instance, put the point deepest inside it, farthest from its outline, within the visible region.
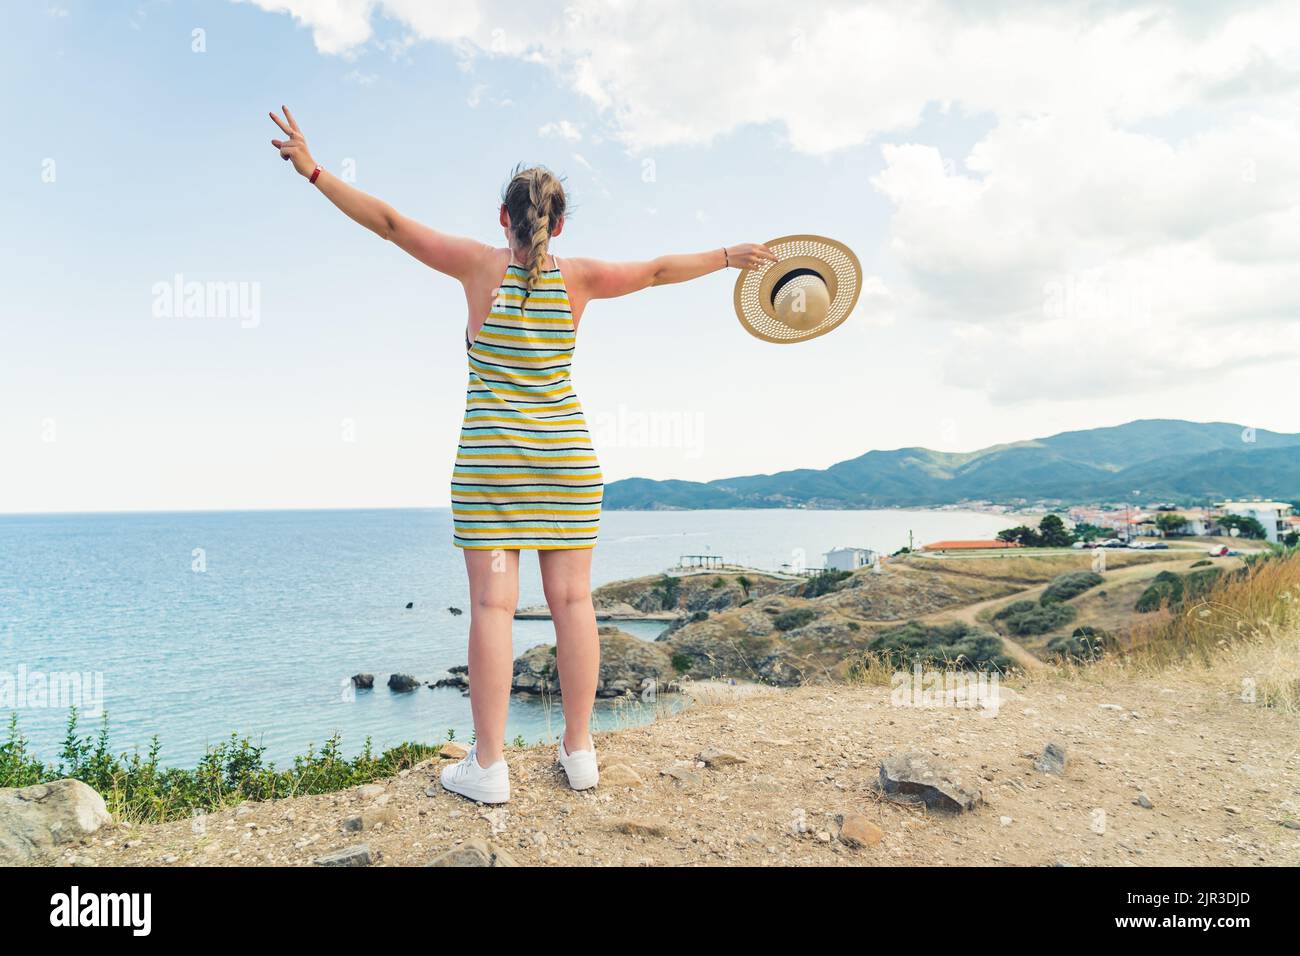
(566, 579)
(493, 596)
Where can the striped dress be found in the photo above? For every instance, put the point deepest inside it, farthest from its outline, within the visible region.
(526, 474)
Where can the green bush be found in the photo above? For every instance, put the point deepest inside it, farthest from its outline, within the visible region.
(138, 789)
(1063, 587)
(793, 618)
(1166, 588)
(682, 663)
(1016, 607)
(669, 590)
(1203, 563)
(1084, 644)
(699, 616)
(941, 644)
(824, 583)
(1027, 617)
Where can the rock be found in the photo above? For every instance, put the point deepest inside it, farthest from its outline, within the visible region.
(619, 775)
(1144, 801)
(402, 683)
(1005, 821)
(685, 776)
(453, 751)
(459, 680)
(1232, 809)
(1109, 707)
(369, 820)
(641, 826)
(369, 791)
(913, 777)
(856, 830)
(455, 611)
(627, 665)
(1052, 760)
(474, 853)
(715, 757)
(36, 819)
(363, 681)
(410, 604)
(358, 855)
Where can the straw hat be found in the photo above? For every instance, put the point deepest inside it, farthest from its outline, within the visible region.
(810, 291)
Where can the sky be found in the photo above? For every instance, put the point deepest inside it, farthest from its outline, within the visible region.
(1068, 215)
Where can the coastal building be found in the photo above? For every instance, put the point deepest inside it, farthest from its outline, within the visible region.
(1275, 516)
(848, 559)
(991, 544)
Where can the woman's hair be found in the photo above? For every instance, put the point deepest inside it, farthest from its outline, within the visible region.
(534, 198)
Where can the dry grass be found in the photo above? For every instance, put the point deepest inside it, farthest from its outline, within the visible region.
(1036, 568)
(1243, 636)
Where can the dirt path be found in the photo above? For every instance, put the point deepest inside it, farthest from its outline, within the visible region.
(969, 613)
(1222, 777)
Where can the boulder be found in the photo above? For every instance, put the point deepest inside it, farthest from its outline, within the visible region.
(35, 820)
(641, 826)
(363, 681)
(402, 683)
(627, 665)
(619, 775)
(857, 831)
(474, 853)
(1052, 761)
(917, 777)
(358, 855)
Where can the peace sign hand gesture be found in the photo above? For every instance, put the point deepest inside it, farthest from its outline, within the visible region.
(294, 148)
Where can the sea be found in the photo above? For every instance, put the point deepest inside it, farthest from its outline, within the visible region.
(193, 626)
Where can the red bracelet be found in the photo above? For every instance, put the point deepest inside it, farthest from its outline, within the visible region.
(314, 173)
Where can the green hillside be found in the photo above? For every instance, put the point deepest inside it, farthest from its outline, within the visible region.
(1181, 461)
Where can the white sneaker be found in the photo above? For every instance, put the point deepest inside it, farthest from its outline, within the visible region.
(580, 766)
(468, 779)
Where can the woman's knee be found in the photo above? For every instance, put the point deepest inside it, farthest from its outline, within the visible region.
(495, 601)
(567, 594)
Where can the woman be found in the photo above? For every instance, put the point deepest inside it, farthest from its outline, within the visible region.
(526, 477)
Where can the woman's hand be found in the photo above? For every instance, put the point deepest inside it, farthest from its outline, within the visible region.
(748, 255)
(294, 148)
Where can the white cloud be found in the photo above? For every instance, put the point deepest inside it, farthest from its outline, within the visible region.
(561, 129)
(1134, 205)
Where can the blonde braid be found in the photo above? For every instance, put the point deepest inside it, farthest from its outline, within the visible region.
(541, 190)
(535, 201)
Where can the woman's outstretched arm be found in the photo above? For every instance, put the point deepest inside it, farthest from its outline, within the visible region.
(454, 255)
(608, 280)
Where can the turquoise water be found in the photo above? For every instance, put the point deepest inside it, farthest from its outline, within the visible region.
(200, 624)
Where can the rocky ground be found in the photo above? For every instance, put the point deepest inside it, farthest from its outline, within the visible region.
(1171, 770)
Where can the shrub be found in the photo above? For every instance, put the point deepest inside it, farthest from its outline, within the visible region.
(956, 643)
(825, 582)
(1063, 587)
(669, 590)
(1084, 644)
(682, 663)
(1203, 563)
(793, 618)
(1016, 607)
(138, 789)
(1036, 618)
(699, 616)
(718, 583)
(1166, 588)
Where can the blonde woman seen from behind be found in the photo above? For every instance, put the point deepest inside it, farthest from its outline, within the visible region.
(526, 476)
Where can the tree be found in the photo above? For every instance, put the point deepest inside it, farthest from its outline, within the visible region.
(1246, 527)
(1291, 539)
(1052, 532)
(1022, 535)
(1170, 522)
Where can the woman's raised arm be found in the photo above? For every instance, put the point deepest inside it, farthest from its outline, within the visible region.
(454, 255)
(607, 280)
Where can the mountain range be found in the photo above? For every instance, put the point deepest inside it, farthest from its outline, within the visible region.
(1149, 460)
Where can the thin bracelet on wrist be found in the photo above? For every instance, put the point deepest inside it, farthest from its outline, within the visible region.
(314, 173)
(726, 257)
